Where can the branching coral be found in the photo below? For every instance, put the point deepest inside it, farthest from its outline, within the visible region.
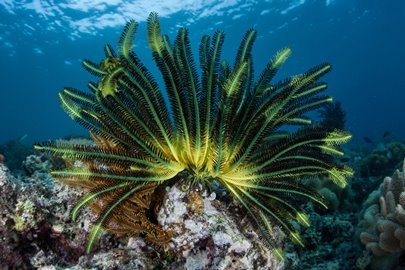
(224, 126)
(384, 221)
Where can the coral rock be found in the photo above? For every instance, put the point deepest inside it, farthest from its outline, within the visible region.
(205, 235)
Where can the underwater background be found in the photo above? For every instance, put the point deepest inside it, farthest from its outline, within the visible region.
(43, 44)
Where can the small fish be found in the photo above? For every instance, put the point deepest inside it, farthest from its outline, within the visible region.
(21, 138)
(345, 159)
(381, 147)
(386, 134)
(368, 140)
(389, 154)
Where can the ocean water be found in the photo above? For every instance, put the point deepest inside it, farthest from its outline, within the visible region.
(42, 43)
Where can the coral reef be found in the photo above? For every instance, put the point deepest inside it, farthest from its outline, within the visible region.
(223, 126)
(37, 164)
(335, 197)
(36, 231)
(382, 227)
(32, 219)
(383, 159)
(329, 242)
(14, 152)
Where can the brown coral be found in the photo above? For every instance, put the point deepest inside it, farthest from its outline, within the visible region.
(384, 221)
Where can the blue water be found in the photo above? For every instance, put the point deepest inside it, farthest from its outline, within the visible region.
(43, 42)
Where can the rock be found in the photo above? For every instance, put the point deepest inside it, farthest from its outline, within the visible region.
(212, 239)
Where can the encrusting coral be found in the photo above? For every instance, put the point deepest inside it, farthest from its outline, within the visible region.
(224, 128)
(383, 221)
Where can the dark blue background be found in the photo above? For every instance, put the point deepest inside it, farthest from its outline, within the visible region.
(364, 41)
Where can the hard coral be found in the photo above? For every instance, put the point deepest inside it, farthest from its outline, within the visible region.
(384, 221)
